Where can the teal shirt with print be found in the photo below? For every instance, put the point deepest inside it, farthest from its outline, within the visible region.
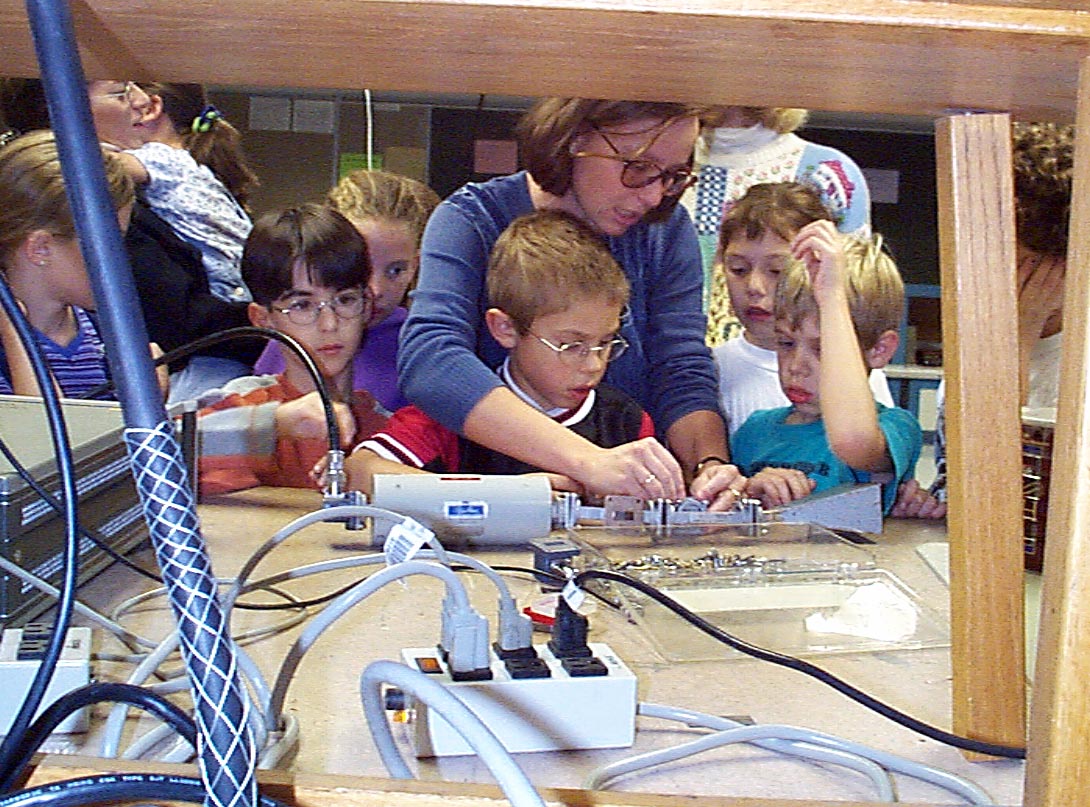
(766, 440)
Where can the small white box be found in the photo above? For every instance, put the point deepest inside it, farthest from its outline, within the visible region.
(73, 671)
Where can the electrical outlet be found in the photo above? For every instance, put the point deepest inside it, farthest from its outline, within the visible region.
(21, 651)
(536, 704)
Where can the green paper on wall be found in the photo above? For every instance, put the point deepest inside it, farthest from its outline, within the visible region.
(357, 160)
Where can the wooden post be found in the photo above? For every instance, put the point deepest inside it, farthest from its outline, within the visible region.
(983, 426)
(1059, 759)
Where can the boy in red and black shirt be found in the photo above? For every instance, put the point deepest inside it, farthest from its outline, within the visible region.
(556, 299)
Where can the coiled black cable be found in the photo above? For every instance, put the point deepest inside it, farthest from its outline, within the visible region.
(843, 687)
(9, 747)
(112, 692)
(114, 788)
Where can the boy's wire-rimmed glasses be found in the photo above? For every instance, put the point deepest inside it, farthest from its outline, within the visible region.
(346, 305)
(575, 353)
(639, 173)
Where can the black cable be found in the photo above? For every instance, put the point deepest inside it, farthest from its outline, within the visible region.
(95, 537)
(964, 743)
(547, 578)
(248, 331)
(113, 788)
(9, 747)
(94, 693)
(287, 606)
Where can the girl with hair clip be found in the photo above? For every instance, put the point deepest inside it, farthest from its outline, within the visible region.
(619, 167)
(390, 212)
(741, 146)
(191, 172)
(42, 264)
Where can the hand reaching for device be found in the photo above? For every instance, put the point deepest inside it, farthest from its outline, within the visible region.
(776, 487)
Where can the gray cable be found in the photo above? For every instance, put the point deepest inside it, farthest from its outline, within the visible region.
(598, 779)
(960, 786)
(336, 609)
(878, 775)
(516, 786)
(281, 535)
(31, 579)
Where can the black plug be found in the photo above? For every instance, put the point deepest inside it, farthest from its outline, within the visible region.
(569, 633)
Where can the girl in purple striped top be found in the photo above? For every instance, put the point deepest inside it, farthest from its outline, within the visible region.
(41, 262)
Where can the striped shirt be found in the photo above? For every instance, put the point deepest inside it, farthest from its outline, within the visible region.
(78, 367)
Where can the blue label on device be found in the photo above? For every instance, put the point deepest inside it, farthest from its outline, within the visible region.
(465, 509)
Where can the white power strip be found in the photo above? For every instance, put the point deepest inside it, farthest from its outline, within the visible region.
(20, 657)
(561, 712)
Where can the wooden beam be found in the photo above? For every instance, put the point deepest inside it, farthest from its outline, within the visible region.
(887, 56)
(1059, 764)
(983, 426)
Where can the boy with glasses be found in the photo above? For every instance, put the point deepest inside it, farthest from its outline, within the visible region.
(556, 297)
(308, 269)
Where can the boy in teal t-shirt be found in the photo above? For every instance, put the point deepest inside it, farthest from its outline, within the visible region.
(837, 310)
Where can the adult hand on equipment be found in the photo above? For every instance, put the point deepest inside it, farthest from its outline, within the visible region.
(721, 485)
(915, 502)
(643, 468)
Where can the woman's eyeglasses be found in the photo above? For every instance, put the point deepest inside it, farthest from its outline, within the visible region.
(346, 305)
(639, 173)
(575, 353)
(124, 94)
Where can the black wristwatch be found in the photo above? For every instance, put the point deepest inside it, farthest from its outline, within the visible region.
(704, 461)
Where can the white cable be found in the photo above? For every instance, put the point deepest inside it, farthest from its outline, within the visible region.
(153, 737)
(516, 786)
(960, 786)
(369, 111)
(285, 532)
(115, 723)
(598, 779)
(80, 608)
(376, 559)
(282, 743)
(336, 609)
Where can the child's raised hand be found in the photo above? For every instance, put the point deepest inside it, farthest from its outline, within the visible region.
(304, 419)
(820, 248)
(778, 486)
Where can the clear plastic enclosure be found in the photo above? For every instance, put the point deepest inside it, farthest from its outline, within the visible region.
(797, 589)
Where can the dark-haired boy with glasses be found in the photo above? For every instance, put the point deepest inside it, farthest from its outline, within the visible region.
(308, 270)
(556, 297)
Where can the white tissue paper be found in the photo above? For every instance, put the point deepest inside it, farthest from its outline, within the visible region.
(873, 611)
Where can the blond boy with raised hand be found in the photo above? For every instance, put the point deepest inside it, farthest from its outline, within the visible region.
(837, 310)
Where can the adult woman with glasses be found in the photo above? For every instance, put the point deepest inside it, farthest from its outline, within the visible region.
(618, 166)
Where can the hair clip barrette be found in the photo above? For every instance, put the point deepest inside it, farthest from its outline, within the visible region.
(203, 122)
